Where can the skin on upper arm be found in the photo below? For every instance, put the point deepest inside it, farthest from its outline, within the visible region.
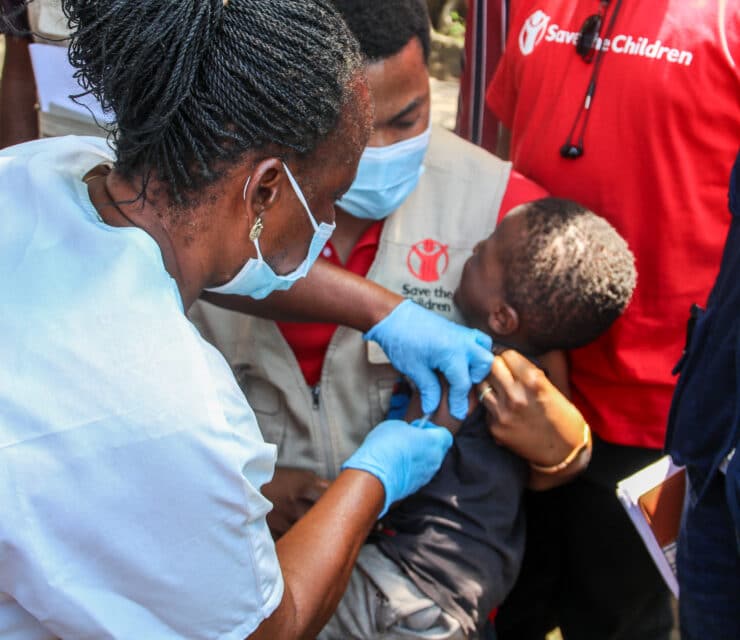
(442, 416)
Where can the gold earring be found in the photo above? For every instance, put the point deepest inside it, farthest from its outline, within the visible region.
(256, 230)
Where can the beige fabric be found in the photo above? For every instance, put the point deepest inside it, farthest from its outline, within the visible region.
(48, 22)
(382, 603)
(53, 124)
(455, 205)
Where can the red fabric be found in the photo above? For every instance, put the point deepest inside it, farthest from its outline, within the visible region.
(658, 151)
(484, 44)
(309, 341)
(518, 191)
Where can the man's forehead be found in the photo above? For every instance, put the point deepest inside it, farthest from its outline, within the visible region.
(399, 78)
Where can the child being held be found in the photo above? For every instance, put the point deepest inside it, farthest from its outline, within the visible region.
(552, 276)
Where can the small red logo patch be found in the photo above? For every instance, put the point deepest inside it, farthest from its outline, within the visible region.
(428, 260)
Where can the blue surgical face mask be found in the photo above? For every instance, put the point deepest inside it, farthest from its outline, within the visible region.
(385, 178)
(256, 278)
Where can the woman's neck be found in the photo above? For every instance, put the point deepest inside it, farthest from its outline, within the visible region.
(118, 205)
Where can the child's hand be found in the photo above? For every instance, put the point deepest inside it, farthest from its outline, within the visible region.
(527, 413)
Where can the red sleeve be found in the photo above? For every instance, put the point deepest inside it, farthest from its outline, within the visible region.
(501, 93)
(518, 191)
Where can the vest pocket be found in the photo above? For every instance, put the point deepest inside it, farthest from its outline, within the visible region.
(267, 404)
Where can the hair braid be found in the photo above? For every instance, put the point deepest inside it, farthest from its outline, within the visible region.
(194, 84)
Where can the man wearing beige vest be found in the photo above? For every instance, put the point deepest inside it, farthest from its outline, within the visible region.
(421, 201)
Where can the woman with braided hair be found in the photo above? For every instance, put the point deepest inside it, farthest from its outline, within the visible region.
(130, 461)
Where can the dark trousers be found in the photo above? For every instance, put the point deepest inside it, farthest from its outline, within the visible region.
(585, 568)
(709, 566)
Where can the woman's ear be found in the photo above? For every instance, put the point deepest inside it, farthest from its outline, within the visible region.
(263, 189)
(503, 319)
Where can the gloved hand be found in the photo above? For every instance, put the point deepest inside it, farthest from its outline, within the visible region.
(404, 457)
(418, 342)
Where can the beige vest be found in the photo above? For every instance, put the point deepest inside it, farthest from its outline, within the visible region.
(422, 249)
(46, 19)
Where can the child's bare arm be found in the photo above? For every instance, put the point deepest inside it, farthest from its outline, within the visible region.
(441, 416)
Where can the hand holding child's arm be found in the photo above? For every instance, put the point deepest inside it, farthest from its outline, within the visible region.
(532, 418)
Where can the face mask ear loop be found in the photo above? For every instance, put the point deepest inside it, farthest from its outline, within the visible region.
(256, 243)
(300, 196)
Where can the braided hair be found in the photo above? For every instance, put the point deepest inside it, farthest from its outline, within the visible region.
(570, 276)
(194, 84)
(384, 28)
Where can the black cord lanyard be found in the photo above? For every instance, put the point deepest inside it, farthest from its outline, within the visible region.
(571, 150)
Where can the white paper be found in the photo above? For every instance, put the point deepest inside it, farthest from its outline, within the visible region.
(629, 491)
(55, 82)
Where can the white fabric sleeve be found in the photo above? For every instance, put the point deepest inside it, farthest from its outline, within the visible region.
(146, 523)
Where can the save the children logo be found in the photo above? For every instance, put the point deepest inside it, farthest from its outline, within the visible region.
(540, 27)
(428, 260)
(533, 30)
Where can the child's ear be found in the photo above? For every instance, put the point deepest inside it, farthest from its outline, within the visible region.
(503, 319)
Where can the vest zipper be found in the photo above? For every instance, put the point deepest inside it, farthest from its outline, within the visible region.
(325, 430)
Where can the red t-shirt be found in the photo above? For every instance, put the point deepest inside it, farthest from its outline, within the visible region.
(663, 132)
(309, 341)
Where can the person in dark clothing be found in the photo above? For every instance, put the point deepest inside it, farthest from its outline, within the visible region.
(552, 276)
(703, 433)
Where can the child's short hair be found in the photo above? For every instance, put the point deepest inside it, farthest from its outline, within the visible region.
(570, 277)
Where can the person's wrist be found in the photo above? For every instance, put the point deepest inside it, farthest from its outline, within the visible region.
(565, 433)
(385, 304)
(570, 458)
(374, 489)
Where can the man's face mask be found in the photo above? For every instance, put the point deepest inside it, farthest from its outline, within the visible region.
(385, 178)
(256, 278)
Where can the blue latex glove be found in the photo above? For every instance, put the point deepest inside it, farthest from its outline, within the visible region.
(418, 342)
(402, 456)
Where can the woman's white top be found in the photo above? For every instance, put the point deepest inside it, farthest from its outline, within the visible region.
(130, 461)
